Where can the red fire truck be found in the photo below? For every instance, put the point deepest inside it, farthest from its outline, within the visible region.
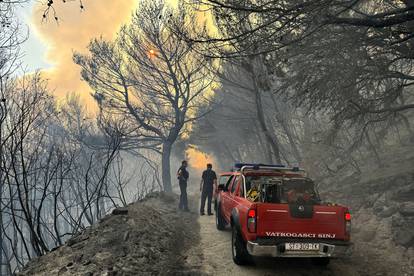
(274, 210)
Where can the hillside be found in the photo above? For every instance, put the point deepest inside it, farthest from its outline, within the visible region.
(145, 238)
(381, 199)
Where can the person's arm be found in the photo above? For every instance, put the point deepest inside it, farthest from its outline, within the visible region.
(202, 182)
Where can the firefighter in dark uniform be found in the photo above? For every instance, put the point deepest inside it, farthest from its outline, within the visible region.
(182, 175)
(207, 186)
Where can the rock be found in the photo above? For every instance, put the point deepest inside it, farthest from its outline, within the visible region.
(126, 236)
(78, 258)
(132, 222)
(367, 235)
(62, 270)
(397, 220)
(404, 194)
(379, 204)
(78, 246)
(151, 195)
(405, 237)
(404, 234)
(110, 273)
(140, 261)
(167, 197)
(76, 239)
(105, 218)
(120, 211)
(102, 256)
(407, 209)
(388, 211)
(142, 252)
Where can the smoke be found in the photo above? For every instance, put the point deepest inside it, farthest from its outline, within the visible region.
(74, 30)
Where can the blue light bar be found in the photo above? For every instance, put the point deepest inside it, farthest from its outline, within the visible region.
(240, 165)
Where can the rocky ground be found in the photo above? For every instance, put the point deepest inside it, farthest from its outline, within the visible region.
(146, 238)
(381, 199)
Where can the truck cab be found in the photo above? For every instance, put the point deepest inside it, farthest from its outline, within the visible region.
(276, 211)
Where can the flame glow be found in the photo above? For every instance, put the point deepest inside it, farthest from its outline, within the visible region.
(198, 160)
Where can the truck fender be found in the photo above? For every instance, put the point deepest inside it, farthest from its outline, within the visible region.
(217, 203)
(235, 219)
(218, 198)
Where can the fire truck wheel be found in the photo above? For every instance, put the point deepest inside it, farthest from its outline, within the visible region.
(238, 248)
(220, 223)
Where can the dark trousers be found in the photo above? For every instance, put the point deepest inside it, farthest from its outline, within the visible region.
(206, 194)
(183, 197)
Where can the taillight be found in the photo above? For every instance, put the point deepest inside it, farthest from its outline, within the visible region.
(347, 223)
(251, 220)
(252, 213)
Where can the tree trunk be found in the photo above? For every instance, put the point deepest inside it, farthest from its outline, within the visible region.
(262, 122)
(261, 83)
(265, 147)
(281, 117)
(165, 163)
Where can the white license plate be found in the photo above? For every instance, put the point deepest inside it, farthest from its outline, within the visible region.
(302, 246)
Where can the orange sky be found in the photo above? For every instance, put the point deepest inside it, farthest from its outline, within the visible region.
(73, 33)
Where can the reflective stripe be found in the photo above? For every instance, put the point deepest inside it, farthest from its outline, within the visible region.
(326, 213)
(277, 211)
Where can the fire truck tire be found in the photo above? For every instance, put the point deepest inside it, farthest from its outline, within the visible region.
(220, 223)
(238, 248)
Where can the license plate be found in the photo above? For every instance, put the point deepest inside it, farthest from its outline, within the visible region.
(302, 246)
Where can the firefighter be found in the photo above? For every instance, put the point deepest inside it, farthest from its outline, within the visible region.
(182, 175)
(207, 186)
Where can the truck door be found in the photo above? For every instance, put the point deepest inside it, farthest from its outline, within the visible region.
(230, 200)
(222, 182)
(224, 195)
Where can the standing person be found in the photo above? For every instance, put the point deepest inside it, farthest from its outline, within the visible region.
(207, 186)
(182, 175)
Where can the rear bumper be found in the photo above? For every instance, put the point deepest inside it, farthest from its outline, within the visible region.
(278, 250)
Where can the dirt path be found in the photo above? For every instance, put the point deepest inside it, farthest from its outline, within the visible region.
(211, 255)
(216, 258)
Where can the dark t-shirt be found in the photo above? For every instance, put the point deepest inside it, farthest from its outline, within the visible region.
(182, 175)
(208, 177)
